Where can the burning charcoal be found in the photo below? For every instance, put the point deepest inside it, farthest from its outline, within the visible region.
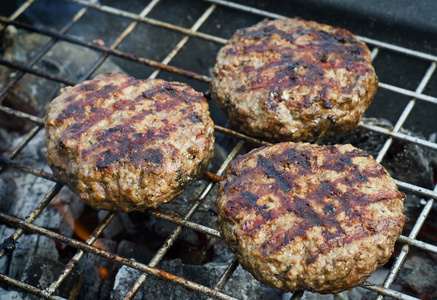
(419, 274)
(124, 280)
(96, 271)
(41, 271)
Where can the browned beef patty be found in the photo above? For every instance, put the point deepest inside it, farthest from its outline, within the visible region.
(126, 144)
(305, 217)
(293, 80)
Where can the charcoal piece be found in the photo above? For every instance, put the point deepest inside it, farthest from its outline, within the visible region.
(11, 295)
(96, 271)
(241, 285)
(367, 140)
(5, 234)
(134, 251)
(26, 247)
(124, 280)
(41, 271)
(419, 274)
(30, 190)
(114, 228)
(7, 193)
(409, 162)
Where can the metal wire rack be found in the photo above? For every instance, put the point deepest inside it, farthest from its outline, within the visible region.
(112, 50)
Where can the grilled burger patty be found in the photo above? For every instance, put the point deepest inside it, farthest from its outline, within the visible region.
(126, 144)
(305, 217)
(293, 80)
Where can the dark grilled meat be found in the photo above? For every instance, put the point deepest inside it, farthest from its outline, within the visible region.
(126, 144)
(305, 217)
(293, 80)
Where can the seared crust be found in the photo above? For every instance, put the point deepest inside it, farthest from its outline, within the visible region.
(307, 217)
(126, 144)
(293, 80)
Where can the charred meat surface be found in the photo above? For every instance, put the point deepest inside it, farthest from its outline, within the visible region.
(293, 80)
(126, 144)
(305, 217)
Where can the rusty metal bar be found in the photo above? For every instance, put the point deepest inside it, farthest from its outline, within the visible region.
(376, 43)
(173, 236)
(419, 244)
(23, 225)
(185, 223)
(28, 288)
(405, 248)
(185, 39)
(115, 52)
(41, 51)
(154, 22)
(400, 136)
(23, 143)
(118, 40)
(30, 218)
(241, 135)
(18, 12)
(386, 292)
(37, 72)
(30, 170)
(403, 117)
(78, 256)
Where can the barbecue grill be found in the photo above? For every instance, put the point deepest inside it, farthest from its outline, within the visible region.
(182, 39)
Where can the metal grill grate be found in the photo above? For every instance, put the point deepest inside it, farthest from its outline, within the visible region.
(165, 65)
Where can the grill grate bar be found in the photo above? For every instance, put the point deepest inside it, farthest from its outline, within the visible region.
(43, 50)
(184, 40)
(406, 92)
(24, 225)
(26, 69)
(154, 22)
(118, 40)
(185, 222)
(178, 220)
(39, 173)
(386, 292)
(30, 218)
(418, 244)
(173, 236)
(23, 144)
(377, 43)
(226, 275)
(78, 256)
(77, 41)
(405, 248)
(18, 12)
(407, 111)
(153, 63)
(28, 288)
(400, 136)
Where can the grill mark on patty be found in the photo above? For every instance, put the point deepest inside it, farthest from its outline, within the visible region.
(340, 46)
(352, 202)
(121, 140)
